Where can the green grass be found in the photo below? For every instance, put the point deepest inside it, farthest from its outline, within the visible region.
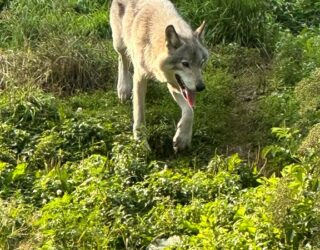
(249, 23)
(72, 177)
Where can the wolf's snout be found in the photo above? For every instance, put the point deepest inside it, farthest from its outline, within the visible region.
(200, 86)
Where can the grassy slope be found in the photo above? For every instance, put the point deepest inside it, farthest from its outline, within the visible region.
(72, 178)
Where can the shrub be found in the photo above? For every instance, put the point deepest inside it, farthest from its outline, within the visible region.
(271, 215)
(28, 108)
(296, 57)
(237, 59)
(15, 221)
(60, 64)
(282, 152)
(311, 144)
(70, 64)
(28, 22)
(3, 4)
(277, 109)
(243, 22)
(59, 49)
(74, 203)
(307, 93)
(296, 14)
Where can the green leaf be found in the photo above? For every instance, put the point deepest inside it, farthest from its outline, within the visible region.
(233, 162)
(241, 211)
(19, 171)
(3, 166)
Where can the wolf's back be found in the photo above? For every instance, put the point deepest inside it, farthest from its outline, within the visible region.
(126, 2)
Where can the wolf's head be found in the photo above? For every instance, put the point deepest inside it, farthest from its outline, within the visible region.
(186, 56)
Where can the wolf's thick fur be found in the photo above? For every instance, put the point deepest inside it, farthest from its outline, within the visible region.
(160, 44)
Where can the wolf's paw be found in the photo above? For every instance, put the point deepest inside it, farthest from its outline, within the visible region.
(140, 136)
(181, 141)
(124, 93)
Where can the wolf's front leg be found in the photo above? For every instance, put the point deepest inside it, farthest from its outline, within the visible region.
(139, 94)
(182, 138)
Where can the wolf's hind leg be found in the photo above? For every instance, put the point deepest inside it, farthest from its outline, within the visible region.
(124, 85)
(182, 138)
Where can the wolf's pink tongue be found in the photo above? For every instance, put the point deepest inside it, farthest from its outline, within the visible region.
(191, 97)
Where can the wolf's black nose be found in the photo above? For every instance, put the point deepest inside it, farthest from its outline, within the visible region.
(200, 86)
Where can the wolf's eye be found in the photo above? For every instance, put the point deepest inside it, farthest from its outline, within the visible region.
(186, 64)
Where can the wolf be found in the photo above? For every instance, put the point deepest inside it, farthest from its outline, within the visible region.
(153, 37)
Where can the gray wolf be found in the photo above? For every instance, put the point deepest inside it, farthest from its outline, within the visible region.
(152, 36)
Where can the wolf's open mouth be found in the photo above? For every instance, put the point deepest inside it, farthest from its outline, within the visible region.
(188, 94)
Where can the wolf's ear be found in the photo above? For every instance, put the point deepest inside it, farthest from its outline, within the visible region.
(172, 38)
(199, 33)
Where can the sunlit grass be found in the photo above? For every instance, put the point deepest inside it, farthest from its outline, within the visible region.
(72, 177)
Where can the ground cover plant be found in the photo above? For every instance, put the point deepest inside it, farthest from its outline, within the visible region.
(72, 177)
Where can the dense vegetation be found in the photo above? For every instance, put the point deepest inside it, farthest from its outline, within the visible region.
(71, 177)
